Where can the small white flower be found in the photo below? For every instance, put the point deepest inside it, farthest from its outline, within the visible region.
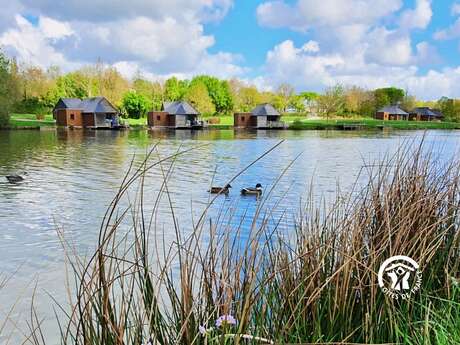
(226, 320)
(202, 330)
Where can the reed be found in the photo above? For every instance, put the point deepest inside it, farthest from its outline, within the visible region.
(316, 283)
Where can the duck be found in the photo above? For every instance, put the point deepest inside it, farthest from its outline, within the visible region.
(15, 178)
(223, 190)
(252, 191)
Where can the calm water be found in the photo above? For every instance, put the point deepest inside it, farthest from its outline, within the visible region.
(73, 175)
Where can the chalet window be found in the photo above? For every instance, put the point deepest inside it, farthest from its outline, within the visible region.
(242, 118)
(158, 117)
(72, 116)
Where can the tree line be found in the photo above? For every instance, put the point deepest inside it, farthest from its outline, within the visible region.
(31, 89)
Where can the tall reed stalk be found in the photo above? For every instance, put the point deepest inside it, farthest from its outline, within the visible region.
(316, 283)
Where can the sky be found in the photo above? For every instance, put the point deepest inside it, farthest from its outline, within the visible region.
(310, 44)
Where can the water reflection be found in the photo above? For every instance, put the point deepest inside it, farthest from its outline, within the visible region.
(73, 175)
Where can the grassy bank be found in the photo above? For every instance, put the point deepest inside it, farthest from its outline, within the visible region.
(295, 122)
(221, 283)
(366, 123)
(30, 121)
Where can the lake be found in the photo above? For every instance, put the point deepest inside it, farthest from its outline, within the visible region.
(73, 175)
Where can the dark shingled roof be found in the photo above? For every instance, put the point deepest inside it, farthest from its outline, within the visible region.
(179, 108)
(88, 105)
(437, 112)
(425, 111)
(265, 110)
(71, 103)
(393, 109)
(97, 105)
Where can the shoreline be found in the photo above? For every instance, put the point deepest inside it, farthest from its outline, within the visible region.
(293, 123)
(303, 127)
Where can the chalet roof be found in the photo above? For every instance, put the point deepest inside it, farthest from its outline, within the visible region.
(392, 109)
(68, 103)
(179, 108)
(87, 105)
(426, 111)
(97, 105)
(265, 109)
(438, 112)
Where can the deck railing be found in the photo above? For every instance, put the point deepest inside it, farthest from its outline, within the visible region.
(275, 124)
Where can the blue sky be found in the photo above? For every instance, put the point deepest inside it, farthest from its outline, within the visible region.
(310, 44)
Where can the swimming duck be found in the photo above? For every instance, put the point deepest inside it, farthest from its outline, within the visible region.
(15, 178)
(222, 190)
(252, 191)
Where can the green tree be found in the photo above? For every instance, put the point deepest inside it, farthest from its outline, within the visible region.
(297, 102)
(219, 91)
(245, 97)
(309, 95)
(135, 105)
(72, 85)
(284, 94)
(332, 102)
(388, 95)
(249, 98)
(9, 88)
(197, 94)
(175, 89)
(310, 100)
(152, 91)
(450, 108)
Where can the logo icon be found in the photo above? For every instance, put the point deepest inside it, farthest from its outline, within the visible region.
(399, 277)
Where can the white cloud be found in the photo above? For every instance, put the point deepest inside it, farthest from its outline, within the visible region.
(300, 68)
(158, 37)
(307, 71)
(276, 14)
(388, 47)
(33, 44)
(450, 33)
(311, 47)
(417, 18)
(54, 29)
(305, 14)
(103, 11)
(455, 9)
(365, 43)
(427, 53)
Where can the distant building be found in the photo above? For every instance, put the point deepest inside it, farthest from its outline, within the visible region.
(263, 116)
(391, 112)
(425, 114)
(94, 112)
(179, 114)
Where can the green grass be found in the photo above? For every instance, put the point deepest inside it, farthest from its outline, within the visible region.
(367, 123)
(136, 122)
(30, 121)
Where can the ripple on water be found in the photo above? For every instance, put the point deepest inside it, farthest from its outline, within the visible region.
(73, 176)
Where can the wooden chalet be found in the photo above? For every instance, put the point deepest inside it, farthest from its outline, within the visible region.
(264, 116)
(425, 114)
(94, 112)
(391, 112)
(177, 115)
